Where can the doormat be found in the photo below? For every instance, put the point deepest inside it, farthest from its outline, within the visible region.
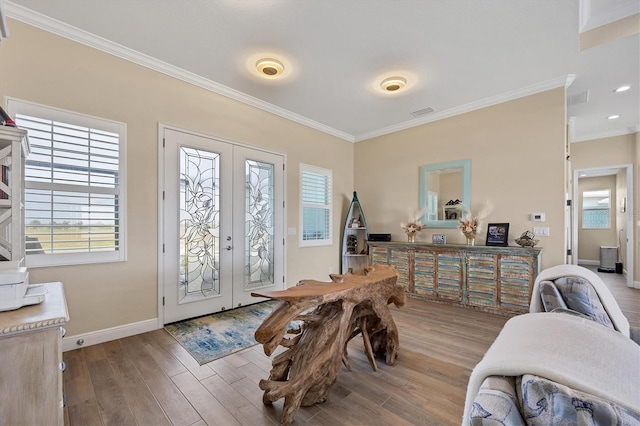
(214, 336)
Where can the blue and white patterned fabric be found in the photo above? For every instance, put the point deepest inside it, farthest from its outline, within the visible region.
(547, 403)
(496, 404)
(579, 295)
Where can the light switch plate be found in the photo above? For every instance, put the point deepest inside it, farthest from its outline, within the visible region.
(439, 239)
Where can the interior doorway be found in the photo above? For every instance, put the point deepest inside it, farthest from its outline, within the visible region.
(621, 215)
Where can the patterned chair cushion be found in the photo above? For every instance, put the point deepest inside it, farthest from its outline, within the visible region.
(580, 296)
(548, 403)
(496, 404)
(551, 297)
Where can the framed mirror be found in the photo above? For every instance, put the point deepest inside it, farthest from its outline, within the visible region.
(443, 187)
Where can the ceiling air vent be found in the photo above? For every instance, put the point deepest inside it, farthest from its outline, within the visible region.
(421, 112)
(578, 98)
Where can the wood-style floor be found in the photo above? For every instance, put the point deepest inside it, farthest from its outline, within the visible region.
(149, 379)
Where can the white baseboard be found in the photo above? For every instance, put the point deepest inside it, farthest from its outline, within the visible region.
(589, 262)
(636, 284)
(93, 338)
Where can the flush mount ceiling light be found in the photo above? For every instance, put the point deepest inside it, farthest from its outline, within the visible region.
(622, 89)
(613, 117)
(393, 84)
(269, 67)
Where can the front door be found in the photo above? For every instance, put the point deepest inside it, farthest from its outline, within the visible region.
(223, 229)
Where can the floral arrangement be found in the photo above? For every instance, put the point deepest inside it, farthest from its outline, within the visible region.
(413, 224)
(470, 223)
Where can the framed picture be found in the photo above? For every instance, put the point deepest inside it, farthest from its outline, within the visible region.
(497, 234)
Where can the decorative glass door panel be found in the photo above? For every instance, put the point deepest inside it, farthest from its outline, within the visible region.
(259, 225)
(199, 225)
(262, 262)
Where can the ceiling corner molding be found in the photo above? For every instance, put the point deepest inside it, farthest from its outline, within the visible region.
(61, 29)
(611, 134)
(563, 81)
(615, 12)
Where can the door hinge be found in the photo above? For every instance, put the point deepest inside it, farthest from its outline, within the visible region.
(163, 247)
(283, 167)
(163, 142)
(283, 204)
(162, 300)
(162, 195)
(568, 252)
(568, 203)
(283, 240)
(283, 278)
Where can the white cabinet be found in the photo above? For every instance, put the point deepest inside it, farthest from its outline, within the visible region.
(14, 148)
(31, 367)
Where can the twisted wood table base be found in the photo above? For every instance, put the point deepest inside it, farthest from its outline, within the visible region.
(331, 314)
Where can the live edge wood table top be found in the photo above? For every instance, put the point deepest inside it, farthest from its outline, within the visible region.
(331, 314)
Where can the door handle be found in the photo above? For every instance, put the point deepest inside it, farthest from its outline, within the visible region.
(228, 247)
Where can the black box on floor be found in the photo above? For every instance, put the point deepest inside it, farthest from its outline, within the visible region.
(618, 267)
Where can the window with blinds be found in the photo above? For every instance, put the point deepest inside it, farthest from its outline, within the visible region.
(74, 186)
(315, 206)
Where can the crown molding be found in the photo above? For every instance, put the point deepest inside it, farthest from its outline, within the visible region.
(611, 134)
(61, 29)
(614, 12)
(564, 81)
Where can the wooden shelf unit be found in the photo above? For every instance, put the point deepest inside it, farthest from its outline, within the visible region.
(492, 279)
(14, 148)
(354, 259)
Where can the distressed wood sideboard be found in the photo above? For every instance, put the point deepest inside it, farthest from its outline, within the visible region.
(31, 367)
(493, 279)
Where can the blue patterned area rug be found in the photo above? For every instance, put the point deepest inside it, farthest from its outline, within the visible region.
(214, 336)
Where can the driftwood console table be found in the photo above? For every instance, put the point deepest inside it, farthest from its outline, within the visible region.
(331, 314)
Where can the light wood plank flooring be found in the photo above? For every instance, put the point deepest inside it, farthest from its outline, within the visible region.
(149, 379)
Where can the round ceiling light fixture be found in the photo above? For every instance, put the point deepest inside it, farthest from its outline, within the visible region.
(269, 67)
(393, 84)
(613, 117)
(622, 88)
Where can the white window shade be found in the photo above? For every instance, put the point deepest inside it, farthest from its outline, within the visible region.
(316, 206)
(74, 187)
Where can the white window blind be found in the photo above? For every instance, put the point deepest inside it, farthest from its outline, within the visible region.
(74, 186)
(316, 206)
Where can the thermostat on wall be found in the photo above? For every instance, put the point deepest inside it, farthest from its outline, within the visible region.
(537, 217)
(439, 239)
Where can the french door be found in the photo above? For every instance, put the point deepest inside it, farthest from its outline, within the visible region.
(223, 224)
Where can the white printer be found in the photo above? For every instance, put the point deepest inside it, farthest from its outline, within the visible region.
(15, 290)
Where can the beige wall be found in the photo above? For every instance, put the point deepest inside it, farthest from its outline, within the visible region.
(517, 162)
(39, 67)
(590, 240)
(614, 151)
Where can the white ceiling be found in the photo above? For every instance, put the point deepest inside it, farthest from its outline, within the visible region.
(456, 55)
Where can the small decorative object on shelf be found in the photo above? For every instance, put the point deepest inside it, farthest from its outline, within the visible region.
(470, 224)
(526, 239)
(413, 226)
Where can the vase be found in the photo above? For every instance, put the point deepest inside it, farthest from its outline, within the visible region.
(411, 237)
(471, 240)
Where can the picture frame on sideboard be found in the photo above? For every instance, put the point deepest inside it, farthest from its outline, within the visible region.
(498, 234)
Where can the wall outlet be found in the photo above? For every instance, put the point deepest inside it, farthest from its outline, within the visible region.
(541, 231)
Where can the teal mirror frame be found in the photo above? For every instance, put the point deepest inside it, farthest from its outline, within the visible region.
(465, 165)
